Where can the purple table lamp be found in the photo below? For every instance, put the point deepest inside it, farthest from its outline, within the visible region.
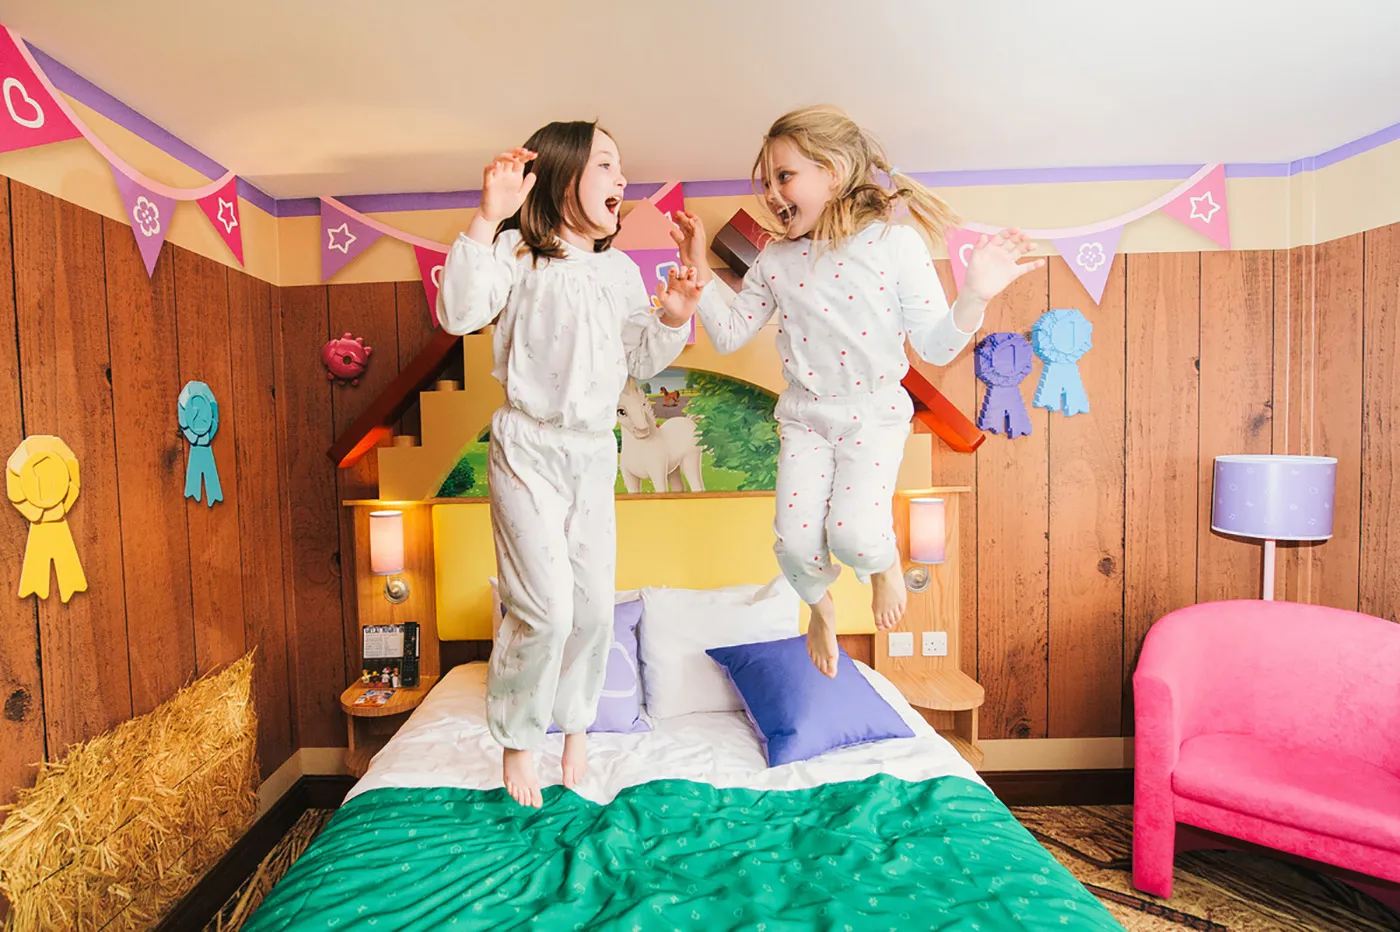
(1273, 498)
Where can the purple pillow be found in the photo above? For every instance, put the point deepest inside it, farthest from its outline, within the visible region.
(797, 712)
(620, 708)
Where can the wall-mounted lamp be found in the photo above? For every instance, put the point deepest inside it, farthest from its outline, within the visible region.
(927, 541)
(386, 552)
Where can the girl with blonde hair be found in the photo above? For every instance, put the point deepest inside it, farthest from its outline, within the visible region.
(849, 286)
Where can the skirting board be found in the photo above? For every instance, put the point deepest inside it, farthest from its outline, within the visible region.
(1000, 755)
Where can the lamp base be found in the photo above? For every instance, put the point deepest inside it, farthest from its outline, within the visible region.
(1269, 547)
(395, 590)
(917, 578)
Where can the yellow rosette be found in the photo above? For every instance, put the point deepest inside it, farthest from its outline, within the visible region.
(41, 479)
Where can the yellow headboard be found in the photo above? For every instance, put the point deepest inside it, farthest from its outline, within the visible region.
(688, 540)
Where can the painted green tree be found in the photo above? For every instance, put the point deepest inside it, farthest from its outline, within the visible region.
(736, 424)
(459, 481)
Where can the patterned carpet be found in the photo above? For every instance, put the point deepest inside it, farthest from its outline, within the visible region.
(1214, 891)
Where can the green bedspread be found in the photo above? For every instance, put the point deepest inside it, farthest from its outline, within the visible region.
(879, 854)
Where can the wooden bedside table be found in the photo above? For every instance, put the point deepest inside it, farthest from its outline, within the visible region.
(949, 692)
(371, 726)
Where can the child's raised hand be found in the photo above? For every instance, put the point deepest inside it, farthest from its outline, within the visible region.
(691, 240)
(678, 296)
(504, 184)
(995, 264)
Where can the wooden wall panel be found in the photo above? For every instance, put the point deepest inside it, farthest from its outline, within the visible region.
(1085, 606)
(1236, 404)
(21, 689)
(1380, 480)
(256, 483)
(311, 529)
(1332, 571)
(1012, 557)
(368, 311)
(61, 297)
(1161, 438)
(155, 544)
(958, 383)
(208, 354)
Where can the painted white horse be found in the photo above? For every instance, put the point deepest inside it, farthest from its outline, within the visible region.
(662, 452)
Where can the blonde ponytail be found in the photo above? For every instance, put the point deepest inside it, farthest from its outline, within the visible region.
(827, 136)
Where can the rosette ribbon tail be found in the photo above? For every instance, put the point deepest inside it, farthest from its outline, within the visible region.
(1060, 384)
(1004, 411)
(50, 542)
(203, 468)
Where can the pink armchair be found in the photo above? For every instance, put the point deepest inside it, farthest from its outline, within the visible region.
(1274, 723)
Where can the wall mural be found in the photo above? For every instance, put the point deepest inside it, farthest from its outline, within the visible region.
(685, 429)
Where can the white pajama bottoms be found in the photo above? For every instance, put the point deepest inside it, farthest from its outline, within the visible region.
(837, 469)
(556, 553)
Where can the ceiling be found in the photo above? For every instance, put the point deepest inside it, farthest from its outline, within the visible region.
(310, 97)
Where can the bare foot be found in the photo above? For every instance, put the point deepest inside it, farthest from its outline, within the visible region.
(821, 636)
(890, 597)
(522, 783)
(575, 759)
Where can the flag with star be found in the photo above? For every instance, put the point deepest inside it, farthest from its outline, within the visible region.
(343, 237)
(1202, 207)
(221, 208)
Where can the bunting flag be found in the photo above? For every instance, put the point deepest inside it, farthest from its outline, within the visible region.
(1090, 258)
(31, 116)
(149, 214)
(343, 237)
(221, 208)
(670, 198)
(1202, 207)
(430, 263)
(960, 243)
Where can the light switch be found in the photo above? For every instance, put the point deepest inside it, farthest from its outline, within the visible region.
(901, 643)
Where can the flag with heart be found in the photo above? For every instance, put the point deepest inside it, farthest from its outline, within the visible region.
(149, 214)
(1202, 207)
(1090, 258)
(31, 116)
(221, 208)
(430, 264)
(960, 243)
(343, 237)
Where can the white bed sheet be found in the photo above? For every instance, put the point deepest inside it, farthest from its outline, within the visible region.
(446, 743)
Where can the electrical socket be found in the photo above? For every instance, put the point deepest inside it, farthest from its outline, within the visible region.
(935, 644)
(901, 643)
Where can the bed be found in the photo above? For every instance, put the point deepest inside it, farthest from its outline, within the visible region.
(683, 827)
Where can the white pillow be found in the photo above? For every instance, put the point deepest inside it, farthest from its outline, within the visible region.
(627, 595)
(679, 625)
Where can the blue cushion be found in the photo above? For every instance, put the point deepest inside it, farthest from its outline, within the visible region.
(797, 711)
(620, 705)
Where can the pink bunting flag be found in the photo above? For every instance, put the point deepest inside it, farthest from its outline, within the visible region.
(30, 116)
(430, 263)
(670, 198)
(1090, 258)
(960, 243)
(221, 208)
(1202, 207)
(149, 214)
(343, 237)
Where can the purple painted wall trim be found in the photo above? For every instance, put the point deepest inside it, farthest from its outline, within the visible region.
(80, 89)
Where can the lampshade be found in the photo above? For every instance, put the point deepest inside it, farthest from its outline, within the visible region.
(385, 542)
(1274, 497)
(927, 535)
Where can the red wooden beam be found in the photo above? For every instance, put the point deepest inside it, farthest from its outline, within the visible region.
(378, 420)
(940, 415)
